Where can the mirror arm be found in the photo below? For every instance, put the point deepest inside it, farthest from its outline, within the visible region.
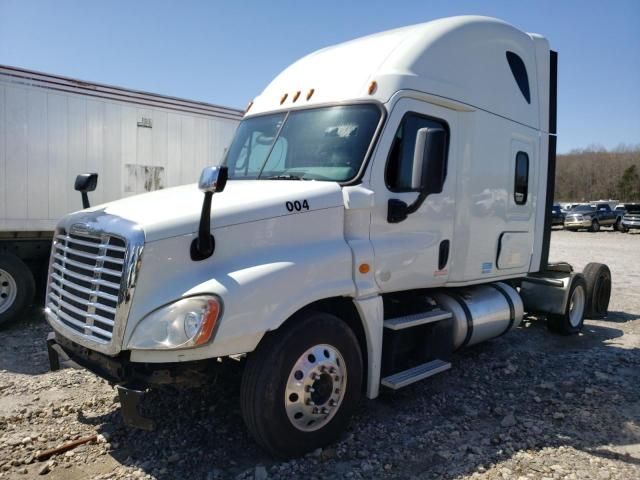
(212, 179)
(418, 202)
(205, 239)
(85, 200)
(398, 210)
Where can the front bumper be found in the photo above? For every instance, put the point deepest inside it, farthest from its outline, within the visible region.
(131, 379)
(630, 224)
(577, 223)
(119, 370)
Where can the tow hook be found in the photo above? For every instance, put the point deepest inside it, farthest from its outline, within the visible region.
(130, 398)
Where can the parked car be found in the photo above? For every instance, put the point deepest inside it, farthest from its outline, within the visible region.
(631, 218)
(557, 216)
(568, 207)
(592, 217)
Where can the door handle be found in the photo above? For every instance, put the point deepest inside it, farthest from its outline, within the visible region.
(443, 256)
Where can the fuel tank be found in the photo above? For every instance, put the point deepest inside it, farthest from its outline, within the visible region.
(481, 312)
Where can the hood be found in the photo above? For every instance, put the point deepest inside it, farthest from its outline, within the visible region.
(176, 211)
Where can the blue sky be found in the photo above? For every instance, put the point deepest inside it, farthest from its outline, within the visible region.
(226, 52)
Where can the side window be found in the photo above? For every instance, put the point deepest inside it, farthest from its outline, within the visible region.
(519, 72)
(521, 186)
(400, 162)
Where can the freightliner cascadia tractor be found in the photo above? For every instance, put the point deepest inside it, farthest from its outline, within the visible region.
(384, 203)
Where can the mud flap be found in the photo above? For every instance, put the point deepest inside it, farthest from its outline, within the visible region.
(130, 399)
(54, 357)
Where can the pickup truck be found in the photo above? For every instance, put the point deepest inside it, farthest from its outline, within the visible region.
(592, 217)
(631, 219)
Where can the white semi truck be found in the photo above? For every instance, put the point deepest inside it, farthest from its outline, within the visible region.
(53, 128)
(388, 202)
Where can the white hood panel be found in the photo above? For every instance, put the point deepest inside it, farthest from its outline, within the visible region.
(176, 211)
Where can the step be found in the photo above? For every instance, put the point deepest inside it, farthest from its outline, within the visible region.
(416, 319)
(407, 377)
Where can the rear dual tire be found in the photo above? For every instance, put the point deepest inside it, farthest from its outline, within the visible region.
(571, 320)
(302, 384)
(598, 281)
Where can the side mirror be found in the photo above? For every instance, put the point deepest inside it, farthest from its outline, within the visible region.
(428, 174)
(429, 162)
(212, 179)
(86, 182)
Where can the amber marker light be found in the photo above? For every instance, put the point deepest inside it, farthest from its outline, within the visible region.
(249, 106)
(364, 268)
(296, 96)
(310, 93)
(283, 98)
(373, 86)
(209, 323)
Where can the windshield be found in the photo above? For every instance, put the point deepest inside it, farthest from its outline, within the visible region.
(584, 208)
(328, 143)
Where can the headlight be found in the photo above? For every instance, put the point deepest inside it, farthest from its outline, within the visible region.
(188, 322)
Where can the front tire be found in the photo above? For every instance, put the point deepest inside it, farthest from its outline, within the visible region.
(572, 320)
(302, 384)
(595, 226)
(621, 228)
(17, 287)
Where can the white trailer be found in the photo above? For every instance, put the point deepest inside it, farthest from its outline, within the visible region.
(388, 202)
(53, 128)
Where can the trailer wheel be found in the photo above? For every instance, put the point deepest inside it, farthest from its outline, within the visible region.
(302, 384)
(572, 320)
(595, 226)
(598, 278)
(17, 287)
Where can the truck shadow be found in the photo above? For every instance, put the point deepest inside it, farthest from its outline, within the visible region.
(23, 344)
(526, 391)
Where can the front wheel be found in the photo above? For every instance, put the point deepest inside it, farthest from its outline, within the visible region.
(572, 320)
(620, 226)
(302, 384)
(595, 226)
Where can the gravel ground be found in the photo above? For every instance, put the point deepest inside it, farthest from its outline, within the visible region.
(526, 405)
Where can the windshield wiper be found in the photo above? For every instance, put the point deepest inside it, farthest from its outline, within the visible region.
(284, 177)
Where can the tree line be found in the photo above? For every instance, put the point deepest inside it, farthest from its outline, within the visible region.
(595, 173)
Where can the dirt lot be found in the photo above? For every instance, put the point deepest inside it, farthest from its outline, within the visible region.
(526, 405)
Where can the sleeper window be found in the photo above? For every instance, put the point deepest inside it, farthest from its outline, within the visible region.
(400, 161)
(521, 187)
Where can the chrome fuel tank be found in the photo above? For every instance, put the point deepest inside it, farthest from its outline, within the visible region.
(481, 312)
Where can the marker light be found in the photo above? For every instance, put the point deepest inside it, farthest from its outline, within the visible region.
(373, 86)
(283, 98)
(296, 96)
(310, 93)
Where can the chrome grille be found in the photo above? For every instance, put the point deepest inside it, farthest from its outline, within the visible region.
(85, 281)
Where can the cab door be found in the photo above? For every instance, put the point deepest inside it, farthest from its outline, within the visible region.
(414, 252)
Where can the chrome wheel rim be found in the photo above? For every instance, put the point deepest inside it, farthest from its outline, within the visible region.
(315, 388)
(576, 307)
(8, 290)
